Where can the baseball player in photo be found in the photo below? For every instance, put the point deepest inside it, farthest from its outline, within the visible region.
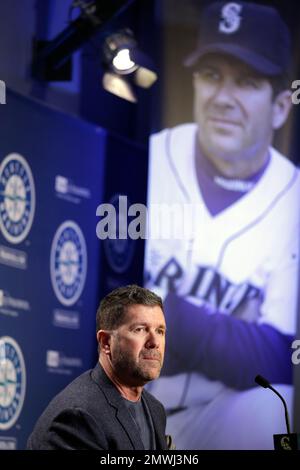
(230, 283)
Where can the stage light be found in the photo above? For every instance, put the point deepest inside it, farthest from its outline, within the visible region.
(51, 60)
(122, 62)
(121, 57)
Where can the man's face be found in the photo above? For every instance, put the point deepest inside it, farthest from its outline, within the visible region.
(234, 109)
(137, 346)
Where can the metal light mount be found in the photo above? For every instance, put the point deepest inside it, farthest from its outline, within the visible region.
(52, 59)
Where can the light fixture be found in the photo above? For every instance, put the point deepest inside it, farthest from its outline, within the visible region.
(51, 60)
(121, 57)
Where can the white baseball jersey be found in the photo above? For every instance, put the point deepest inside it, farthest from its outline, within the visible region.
(242, 261)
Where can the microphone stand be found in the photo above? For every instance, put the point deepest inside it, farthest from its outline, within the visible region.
(289, 441)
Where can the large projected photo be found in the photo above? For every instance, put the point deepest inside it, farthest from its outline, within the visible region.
(223, 246)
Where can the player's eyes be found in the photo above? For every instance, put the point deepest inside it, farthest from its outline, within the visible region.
(249, 82)
(139, 329)
(145, 329)
(161, 332)
(208, 74)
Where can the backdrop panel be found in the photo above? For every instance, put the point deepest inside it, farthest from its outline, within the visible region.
(51, 181)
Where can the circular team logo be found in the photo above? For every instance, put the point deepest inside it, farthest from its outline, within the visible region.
(68, 263)
(12, 382)
(119, 251)
(17, 198)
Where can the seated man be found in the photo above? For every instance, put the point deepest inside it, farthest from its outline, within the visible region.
(106, 408)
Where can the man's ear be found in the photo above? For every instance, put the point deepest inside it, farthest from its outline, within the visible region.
(104, 339)
(281, 107)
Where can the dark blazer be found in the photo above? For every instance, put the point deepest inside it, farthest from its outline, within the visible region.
(91, 414)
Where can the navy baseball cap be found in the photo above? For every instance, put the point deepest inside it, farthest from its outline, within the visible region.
(253, 33)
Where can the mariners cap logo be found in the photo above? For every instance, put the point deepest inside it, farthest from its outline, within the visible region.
(230, 18)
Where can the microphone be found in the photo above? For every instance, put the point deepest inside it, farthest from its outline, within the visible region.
(289, 441)
(260, 380)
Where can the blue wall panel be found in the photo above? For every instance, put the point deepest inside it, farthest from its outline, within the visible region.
(53, 332)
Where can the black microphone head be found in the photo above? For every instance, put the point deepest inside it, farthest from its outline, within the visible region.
(262, 381)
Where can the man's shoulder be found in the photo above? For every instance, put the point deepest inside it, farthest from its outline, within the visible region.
(83, 400)
(282, 160)
(181, 131)
(283, 171)
(81, 393)
(175, 144)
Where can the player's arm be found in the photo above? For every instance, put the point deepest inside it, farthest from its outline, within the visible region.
(235, 349)
(224, 347)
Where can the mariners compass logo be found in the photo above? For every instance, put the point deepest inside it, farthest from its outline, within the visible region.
(17, 198)
(12, 382)
(68, 262)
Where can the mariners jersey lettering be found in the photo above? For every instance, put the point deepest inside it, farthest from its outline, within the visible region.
(208, 285)
(237, 258)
